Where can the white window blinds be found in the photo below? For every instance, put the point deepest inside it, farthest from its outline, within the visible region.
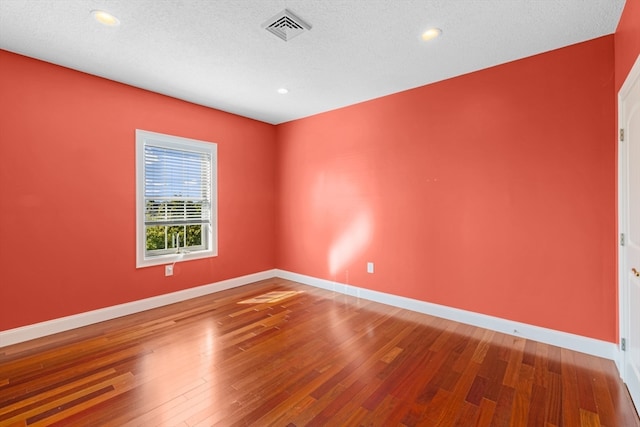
(177, 186)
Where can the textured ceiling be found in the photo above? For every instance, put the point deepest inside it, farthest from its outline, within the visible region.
(216, 52)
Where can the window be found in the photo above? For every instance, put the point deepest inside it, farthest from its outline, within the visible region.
(176, 199)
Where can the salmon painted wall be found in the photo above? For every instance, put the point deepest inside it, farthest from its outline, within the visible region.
(67, 185)
(492, 192)
(627, 41)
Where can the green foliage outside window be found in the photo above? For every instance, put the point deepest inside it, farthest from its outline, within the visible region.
(172, 213)
(156, 237)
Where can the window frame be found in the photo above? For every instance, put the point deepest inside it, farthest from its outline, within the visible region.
(143, 258)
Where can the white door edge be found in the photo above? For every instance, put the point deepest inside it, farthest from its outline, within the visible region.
(623, 316)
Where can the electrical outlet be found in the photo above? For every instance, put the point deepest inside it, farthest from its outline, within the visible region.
(369, 267)
(168, 270)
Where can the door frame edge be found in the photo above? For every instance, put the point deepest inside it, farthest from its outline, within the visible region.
(621, 218)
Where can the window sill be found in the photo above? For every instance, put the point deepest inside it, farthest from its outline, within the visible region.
(173, 258)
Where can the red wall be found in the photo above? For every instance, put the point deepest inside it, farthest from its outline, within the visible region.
(627, 40)
(67, 180)
(492, 192)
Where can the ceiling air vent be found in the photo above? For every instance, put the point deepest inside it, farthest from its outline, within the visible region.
(286, 25)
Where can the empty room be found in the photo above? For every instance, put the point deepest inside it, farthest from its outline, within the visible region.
(320, 213)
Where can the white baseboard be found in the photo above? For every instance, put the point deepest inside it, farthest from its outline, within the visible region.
(579, 343)
(29, 332)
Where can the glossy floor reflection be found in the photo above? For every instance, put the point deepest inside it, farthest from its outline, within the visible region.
(315, 358)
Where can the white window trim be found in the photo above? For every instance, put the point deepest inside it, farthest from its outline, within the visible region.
(176, 142)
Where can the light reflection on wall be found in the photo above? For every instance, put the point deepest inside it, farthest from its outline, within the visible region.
(339, 200)
(351, 242)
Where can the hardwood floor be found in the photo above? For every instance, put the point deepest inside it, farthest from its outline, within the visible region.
(313, 359)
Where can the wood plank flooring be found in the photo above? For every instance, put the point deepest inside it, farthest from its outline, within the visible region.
(315, 358)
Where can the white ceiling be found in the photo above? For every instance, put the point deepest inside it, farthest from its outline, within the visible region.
(216, 53)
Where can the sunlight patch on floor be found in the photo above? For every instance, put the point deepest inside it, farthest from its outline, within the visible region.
(271, 297)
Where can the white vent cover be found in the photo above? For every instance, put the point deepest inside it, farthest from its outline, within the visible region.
(286, 25)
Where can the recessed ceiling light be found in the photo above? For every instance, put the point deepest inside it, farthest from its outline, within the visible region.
(283, 91)
(431, 34)
(105, 18)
